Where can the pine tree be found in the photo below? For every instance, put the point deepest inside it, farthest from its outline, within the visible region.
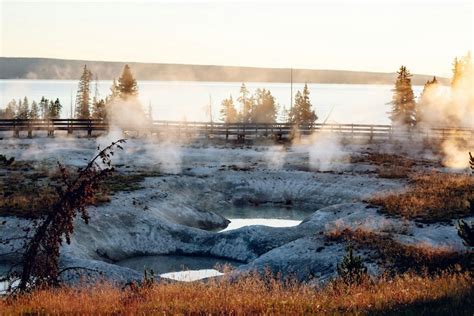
(95, 98)
(403, 100)
(44, 107)
(54, 109)
(421, 106)
(302, 111)
(98, 105)
(457, 71)
(264, 108)
(99, 110)
(127, 85)
(351, 269)
(83, 98)
(114, 92)
(10, 110)
(246, 105)
(228, 111)
(34, 111)
(23, 109)
(284, 116)
(462, 67)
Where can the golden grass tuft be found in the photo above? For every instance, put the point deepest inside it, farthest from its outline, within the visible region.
(431, 197)
(254, 295)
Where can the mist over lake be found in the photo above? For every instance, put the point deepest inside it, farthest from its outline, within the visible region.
(189, 100)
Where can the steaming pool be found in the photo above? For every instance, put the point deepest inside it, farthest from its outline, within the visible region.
(191, 268)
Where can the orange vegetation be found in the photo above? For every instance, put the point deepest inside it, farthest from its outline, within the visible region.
(253, 295)
(431, 197)
(401, 257)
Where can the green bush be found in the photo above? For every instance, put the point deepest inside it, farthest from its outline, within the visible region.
(351, 270)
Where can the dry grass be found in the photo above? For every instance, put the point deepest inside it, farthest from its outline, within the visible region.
(431, 197)
(444, 293)
(382, 159)
(388, 165)
(400, 257)
(26, 191)
(394, 172)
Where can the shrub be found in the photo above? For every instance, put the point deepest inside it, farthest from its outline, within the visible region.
(471, 161)
(351, 269)
(6, 161)
(466, 232)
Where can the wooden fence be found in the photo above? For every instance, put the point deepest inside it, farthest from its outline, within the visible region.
(239, 131)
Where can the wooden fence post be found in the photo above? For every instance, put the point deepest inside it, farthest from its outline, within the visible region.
(89, 127)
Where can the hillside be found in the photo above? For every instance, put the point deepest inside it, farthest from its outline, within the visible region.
(46, 68)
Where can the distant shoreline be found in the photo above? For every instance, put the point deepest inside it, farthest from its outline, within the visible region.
(19, 68)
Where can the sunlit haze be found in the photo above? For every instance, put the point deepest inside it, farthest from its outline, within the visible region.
(369, 36)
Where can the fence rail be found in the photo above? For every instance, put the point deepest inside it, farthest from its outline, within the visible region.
(229, 130)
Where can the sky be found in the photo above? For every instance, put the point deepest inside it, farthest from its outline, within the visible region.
(350, 35)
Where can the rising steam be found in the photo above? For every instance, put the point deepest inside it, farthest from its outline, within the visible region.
(441, 106)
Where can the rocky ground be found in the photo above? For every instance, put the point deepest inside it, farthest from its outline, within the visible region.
(177, 205)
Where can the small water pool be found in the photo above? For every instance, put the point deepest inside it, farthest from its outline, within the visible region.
(236, 223)
(263, 215)
(178, 267)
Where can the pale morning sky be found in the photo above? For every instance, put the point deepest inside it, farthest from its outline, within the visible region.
(353, 35)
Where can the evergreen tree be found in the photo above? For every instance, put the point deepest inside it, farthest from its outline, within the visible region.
(284, 115)
(54, 109)
(351, 269)
(264, 109)
(456, 71)
(95, 98)
(44, 108)
(98, 110)
(422, 104)
(246, 105)
(83, 98)
(302, 111)
(114, 92)
(228, 111)
(23, 109)
(98, 105)
(462, 67)
(34, 111)
(127, 85)
(403, 100)
(10, 110)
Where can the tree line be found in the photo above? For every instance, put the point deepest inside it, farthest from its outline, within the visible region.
(261, 107)
(88, 104)
(257, 107)
(22, 109)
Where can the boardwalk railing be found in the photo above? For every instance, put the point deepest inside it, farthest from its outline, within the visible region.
(231, 130)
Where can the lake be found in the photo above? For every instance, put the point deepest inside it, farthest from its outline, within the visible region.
(189, 100)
